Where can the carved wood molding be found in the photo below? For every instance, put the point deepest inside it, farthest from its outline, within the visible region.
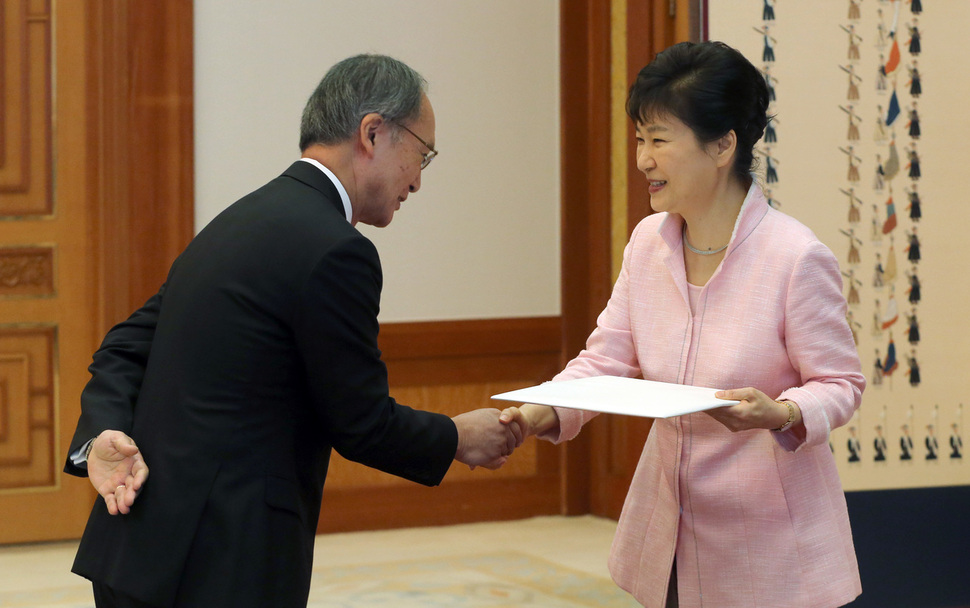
(26, 271)
(26, 125)
(490, 350)
(27, 403)
(450, 503)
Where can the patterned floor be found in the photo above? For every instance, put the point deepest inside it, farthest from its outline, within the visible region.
(503, 580)
(481, 581)
(547, 562)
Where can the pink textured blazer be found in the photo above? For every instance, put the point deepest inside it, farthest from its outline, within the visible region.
(755, 518)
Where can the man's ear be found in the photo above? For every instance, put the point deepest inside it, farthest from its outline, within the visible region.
(367, 133)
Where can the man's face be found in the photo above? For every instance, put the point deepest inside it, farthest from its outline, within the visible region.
(396, 168)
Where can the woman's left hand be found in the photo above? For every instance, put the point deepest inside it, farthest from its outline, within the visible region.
(755, 411)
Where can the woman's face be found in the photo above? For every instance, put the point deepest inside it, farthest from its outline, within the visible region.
(680, 170)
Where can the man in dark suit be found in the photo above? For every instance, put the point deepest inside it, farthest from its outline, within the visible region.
(256, 358)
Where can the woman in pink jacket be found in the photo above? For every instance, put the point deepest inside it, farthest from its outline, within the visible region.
(739, 506)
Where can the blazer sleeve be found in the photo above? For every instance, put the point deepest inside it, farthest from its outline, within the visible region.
(117, 370)
(610, 351)
(336, 331)
(820, 348)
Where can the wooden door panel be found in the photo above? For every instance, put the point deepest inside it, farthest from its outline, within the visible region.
(25, 119)
(45, 299)
(76, 246)
(27, 434)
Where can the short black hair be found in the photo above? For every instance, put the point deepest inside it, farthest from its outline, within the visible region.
(710, 87)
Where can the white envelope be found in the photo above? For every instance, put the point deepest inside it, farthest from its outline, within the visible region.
(616, 395)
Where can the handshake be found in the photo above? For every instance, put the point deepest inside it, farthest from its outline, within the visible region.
(487, 437)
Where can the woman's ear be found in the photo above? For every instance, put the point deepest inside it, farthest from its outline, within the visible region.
(726, 147)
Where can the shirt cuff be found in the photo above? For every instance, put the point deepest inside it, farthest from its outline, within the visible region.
(80, 457)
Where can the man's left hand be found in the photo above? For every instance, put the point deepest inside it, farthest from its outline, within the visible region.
(117, 470)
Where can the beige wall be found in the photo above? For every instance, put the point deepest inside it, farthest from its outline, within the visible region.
(481, 239)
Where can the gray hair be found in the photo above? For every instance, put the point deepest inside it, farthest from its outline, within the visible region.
(355, 87)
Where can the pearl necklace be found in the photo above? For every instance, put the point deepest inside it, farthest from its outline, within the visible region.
(700, 251)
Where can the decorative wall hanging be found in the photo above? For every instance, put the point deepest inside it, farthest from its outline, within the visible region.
(846, 84)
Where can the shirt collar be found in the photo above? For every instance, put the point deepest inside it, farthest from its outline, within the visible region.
(344, 197)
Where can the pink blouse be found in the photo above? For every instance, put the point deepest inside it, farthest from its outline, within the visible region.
(754, 518)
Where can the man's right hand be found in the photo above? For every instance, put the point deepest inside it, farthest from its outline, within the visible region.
(117, 470)
(482, 440)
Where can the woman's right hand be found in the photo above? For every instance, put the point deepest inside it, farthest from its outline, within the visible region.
(530, 418)
(513, 417)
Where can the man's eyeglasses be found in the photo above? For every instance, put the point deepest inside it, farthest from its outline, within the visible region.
(428, 156)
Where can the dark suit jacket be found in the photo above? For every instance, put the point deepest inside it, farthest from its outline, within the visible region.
(257, 356)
